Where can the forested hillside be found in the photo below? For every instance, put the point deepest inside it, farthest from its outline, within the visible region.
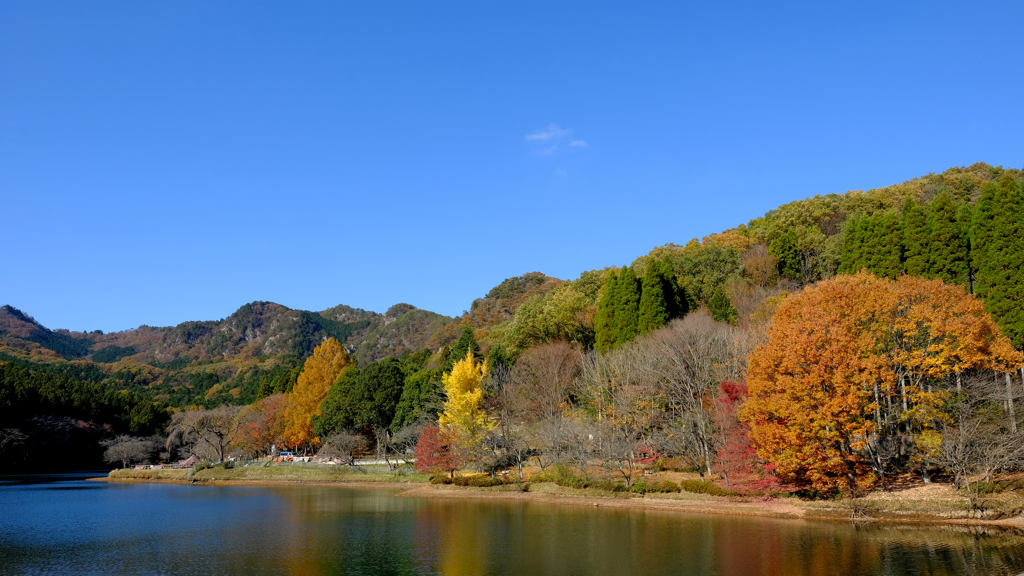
(708, 305)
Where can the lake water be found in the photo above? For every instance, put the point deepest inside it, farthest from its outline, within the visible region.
(66, 525)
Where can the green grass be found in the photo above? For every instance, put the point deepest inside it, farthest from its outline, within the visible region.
(276, 473)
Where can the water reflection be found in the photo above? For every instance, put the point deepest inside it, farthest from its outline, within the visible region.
(58, 528)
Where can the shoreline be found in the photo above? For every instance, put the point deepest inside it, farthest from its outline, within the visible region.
(684, 502)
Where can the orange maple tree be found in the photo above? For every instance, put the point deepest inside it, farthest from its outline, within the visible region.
(842, 351)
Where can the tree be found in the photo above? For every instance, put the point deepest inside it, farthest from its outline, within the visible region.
(462, 414)
(916, 239)
(343, 445)
(786, 251)
(604, 324)
(857, 357)
(884, 245)
(126, 449)
(466, 343)
(421, 397)
(11, 437)
(435, 452)
(205, 433)
(949, 249)
(721, 308)
(319, 372)
(999, 245)
(660, 298)
(852, 259)
(627, 301)
(261, 425)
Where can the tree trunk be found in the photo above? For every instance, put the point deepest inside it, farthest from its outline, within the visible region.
(1009, 404)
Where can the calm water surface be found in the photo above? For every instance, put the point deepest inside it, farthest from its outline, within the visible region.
(66, 525)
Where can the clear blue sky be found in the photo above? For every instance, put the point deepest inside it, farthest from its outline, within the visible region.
(171, 161)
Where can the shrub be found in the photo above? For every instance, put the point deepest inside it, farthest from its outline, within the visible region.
(698, 487)
(608, 485)
(666, 487)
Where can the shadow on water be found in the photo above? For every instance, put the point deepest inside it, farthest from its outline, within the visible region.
(57, 527)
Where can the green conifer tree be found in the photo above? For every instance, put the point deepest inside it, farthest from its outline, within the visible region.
(604, 324)
(655, 293)
(466, 342)
(916, 239)
(721, 307)
(787, 252)
(948, 257)
(966, 218)
(849, 260)
(884, 245)
(1000, 248)
(676, 297)
(627, 303)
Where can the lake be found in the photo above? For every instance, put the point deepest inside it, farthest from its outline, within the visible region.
(67, 525)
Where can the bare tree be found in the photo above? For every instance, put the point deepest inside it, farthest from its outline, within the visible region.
(343, 445)
(690, 358)
(205, 433)
(11, 437)
(127, 449)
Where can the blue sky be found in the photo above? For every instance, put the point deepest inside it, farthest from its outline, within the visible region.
(163, 162)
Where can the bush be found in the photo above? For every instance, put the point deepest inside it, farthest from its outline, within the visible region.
(665, 487)
(202, 465)
(640, 487)
(608, 486)
(229, 464)
(698, 487)
(472, 481)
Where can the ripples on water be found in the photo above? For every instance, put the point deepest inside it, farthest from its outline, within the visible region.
(65, 525)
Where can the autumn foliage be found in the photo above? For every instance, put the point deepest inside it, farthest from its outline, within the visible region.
(855, 357)
(318, 375)
(435, 452)
(462, 413)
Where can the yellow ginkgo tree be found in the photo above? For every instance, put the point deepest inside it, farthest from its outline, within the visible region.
(462, 415)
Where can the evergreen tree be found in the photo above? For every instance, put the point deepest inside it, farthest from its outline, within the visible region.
(1000, 249)
(916, 239)
(853, 240)
(465, 343)
(786, 251)
(721, 307)
(604, 324)
(655, 293)
(627, 302)
(884, 245)
(966, 218)
(676, 297)
(949, 256)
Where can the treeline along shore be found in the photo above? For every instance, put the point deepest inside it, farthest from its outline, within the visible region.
(862, 348)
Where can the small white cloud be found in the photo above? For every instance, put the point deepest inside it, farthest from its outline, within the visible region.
(561, 172)
(552, 132)
(578, 143)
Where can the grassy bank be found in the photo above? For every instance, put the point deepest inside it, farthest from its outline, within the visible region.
(287, 473)
(908, 503)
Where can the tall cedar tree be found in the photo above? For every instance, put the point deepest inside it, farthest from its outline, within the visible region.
(627, 302)
(884, 244)
(966, 218)
(786, 251)
(999, 245)
(916, 239)
(949, 248)
(655, 294)
(721, 307)
(676, 296)
(852, 259)
(604, 324)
